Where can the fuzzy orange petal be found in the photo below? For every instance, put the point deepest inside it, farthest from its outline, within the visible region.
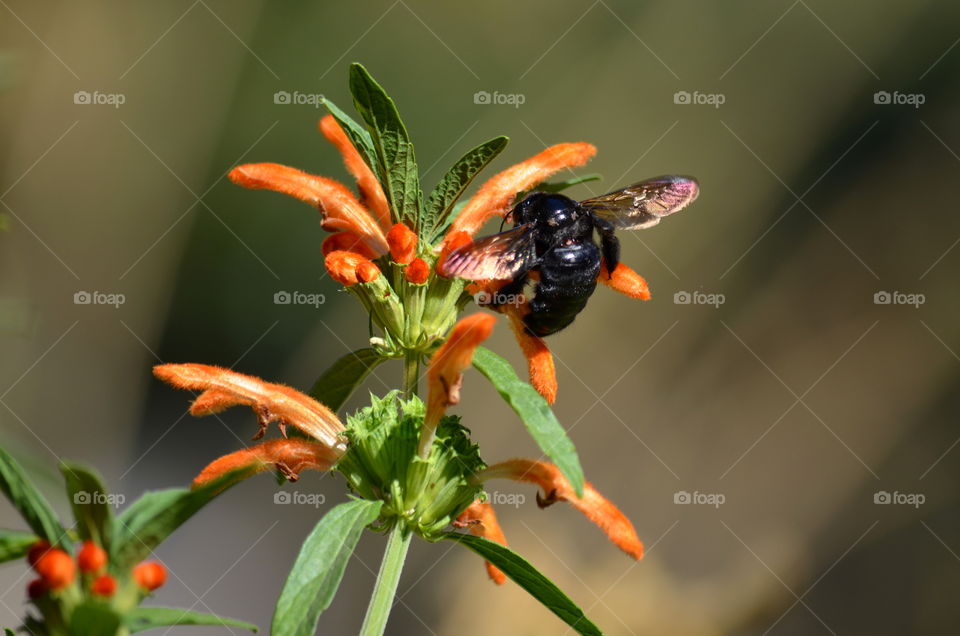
(342, 265)
(368, 184)
(367, 272)
(481, 520)
(340, 209)
(445, 373)
(346, 241)
(403, 244)
(224, 388)
(543, 372)
(592, 505)
(496, 195)
(291, 456)
(417, 272)
(625, 280)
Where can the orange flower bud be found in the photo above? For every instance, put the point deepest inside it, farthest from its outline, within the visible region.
(36, 588)
(150, 575)
(56, 568)
(342, 266)
(91, 558)
(346, 241)
(403, 243)
(367, 272)
(417, 272)
(104, 585)
(36, 551)
(624, 280)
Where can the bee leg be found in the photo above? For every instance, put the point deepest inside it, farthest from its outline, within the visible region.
(609, 244)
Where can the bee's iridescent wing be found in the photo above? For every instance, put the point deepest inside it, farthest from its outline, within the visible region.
(643, 204)
(498, 257)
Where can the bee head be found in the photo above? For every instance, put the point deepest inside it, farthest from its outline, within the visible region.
(547, 210)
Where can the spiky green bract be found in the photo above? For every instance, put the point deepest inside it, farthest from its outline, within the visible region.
(382, 464)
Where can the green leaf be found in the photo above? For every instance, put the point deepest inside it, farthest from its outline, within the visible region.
(357, 135)
(396, 162)
(529, 578)
(89, 500)
(437, 212)
(319, 567)
(536, 414)
(560, 186)
(94, 618)
(144, 618)
(334, 387)
(28, 501)
(15, 544)
(154, 516)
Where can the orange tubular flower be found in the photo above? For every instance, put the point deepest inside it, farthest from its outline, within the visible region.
(348, 242)
(543, 373)
(624, 280)
(370, 190)
(417, 272)
(496, 195)
(56, 568)
(445, 373)
(104, 585)
(403, 244)
(481, 520)
(91, 557)
(223, 388)
(342, 266)
(367, 272)
(340, 209)
(556, 488)
(150, 575)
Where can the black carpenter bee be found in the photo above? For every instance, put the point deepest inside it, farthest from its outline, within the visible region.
(553, 238)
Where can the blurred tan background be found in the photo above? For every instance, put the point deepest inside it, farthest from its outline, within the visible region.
(798, 401)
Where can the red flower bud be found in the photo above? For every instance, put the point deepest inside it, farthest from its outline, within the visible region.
(36, 588)
(417, 272)
(104, 585)
(91, 558)
(403, 243)
(56, 568)
(36, 551)
(150, 575)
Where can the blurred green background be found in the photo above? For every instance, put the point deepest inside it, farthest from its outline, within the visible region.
(801, 399)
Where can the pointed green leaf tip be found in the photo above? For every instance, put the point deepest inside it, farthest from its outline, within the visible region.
(529, 578)
(396, 162)
(319, 567)
(536, 414)
(28, 501)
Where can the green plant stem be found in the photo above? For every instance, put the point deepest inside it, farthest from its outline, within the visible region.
(411, 374)
(375, 622)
